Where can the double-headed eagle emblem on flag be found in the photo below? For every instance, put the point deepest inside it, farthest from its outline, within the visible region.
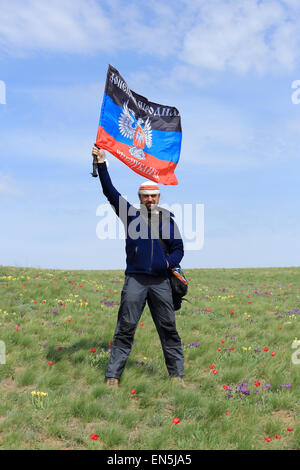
(137, 129)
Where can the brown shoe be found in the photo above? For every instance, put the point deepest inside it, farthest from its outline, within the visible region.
(177, 380)
(112, 382)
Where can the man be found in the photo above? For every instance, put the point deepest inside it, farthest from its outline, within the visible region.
(146, 274)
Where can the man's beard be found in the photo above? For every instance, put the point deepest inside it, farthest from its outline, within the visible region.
(151, 207)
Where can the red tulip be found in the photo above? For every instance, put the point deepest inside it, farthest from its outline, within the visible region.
(231, 312)
(59, 347)
(94, 436)
(50, 363)
(133, 392)
(211, 367)
(273, 353)
(290, 429)
(257, 384)
(266, 349)
(142, 324)
(268, 439)
(228, 413)
(215, 371)
(277, 436)
(176, 420)
(93, 350)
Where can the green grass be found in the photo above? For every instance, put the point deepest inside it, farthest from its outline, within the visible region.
(44, 310)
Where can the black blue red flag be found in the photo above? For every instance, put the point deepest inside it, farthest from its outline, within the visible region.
(146, 136)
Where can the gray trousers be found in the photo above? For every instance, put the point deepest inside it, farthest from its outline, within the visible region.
(137, 289)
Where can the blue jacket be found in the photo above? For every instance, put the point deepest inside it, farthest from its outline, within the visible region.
(144, 255)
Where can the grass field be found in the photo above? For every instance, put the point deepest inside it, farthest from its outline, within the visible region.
(242, 363)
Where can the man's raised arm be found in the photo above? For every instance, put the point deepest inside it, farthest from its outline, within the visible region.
(118, 202)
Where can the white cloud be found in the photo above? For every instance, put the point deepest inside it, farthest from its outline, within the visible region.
(88, 26)
(157, 29)
(241, 35)
(60, 25)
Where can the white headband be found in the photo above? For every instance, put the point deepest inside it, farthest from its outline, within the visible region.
(149, 187)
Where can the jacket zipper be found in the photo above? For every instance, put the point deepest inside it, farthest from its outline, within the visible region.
(134, 254)
(151, 255)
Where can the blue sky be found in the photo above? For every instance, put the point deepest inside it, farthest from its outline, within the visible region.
(228, 66)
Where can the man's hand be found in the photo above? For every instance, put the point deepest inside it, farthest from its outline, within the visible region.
(99, 153)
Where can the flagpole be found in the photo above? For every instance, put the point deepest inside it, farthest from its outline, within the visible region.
(95, 167)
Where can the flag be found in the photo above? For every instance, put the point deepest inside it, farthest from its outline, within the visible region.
(145, 136)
